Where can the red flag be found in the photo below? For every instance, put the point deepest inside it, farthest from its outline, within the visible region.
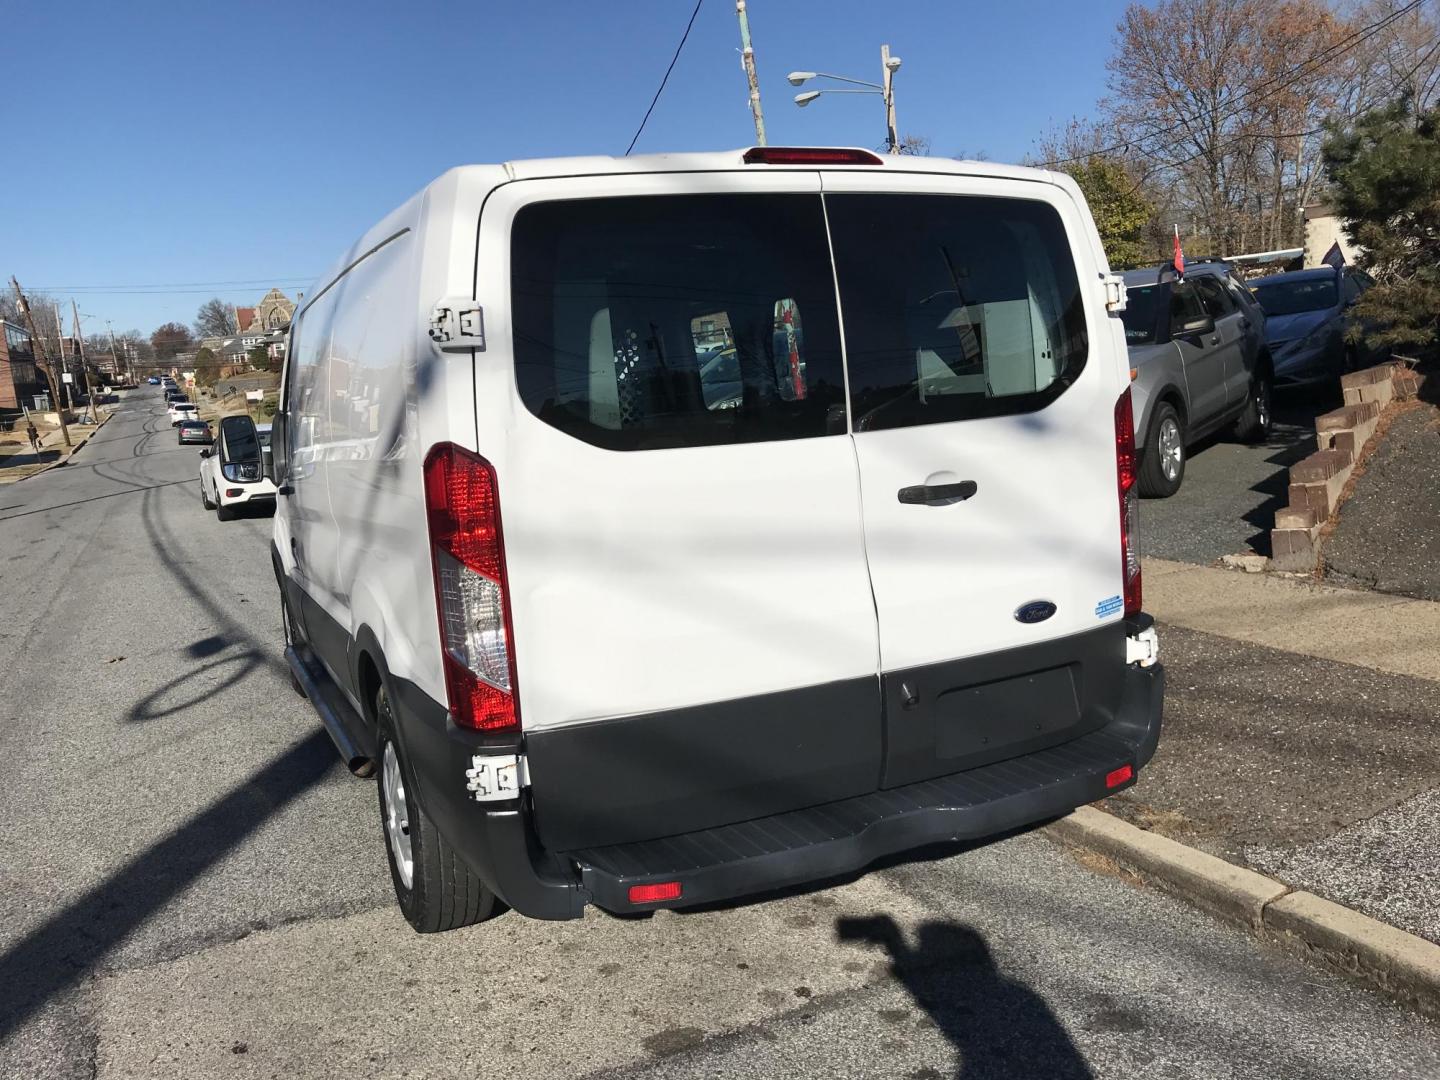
(1179, 255)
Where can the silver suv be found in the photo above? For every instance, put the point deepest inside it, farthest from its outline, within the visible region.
(1198, 363)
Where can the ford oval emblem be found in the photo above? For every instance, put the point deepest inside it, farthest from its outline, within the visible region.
(1035, 611)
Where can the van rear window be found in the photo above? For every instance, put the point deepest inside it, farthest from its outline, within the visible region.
(670, 321)
(956, 307)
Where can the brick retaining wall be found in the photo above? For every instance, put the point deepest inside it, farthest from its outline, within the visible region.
(1316, 482)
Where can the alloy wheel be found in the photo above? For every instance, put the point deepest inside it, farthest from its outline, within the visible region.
(1172, 449)
(397, 816)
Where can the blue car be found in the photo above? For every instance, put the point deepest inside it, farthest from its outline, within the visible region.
(1306, 315)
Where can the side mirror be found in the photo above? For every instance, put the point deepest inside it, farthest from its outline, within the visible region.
(1196, 327)
(205, 452)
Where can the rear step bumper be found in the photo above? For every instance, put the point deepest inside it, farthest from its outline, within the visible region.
(843, 837)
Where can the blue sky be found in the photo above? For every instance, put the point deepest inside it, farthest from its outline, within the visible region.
(223, 142)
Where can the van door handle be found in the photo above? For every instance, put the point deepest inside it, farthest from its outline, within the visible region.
(938, 494)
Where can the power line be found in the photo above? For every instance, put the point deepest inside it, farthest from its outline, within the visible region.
(1327, 54)
(683, 38)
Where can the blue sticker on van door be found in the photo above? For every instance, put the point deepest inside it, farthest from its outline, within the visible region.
(1105, 608)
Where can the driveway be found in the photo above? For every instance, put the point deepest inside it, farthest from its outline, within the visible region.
(193, 886)
(1227, 504)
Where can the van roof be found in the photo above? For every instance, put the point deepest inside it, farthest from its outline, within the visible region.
(489, 176)
(719, 160)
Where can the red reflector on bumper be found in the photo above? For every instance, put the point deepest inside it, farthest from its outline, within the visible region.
(234, 493)
(651, 894)
(1116, 777)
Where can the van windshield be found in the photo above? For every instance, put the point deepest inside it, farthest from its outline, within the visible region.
(691, 320)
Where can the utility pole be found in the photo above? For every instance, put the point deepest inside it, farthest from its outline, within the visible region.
(891, 135)
(115, 352)
(80, 344)
(39, 343)
(64, 364)
(747, 56)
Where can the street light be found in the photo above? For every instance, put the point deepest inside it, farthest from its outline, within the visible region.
(889, 65)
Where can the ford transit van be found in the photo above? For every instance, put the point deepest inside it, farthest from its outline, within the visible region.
(668, 529)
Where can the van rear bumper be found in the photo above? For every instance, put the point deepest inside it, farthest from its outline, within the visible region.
(831, 840)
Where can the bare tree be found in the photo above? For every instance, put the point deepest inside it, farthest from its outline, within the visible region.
(169, 339)
(215, 318)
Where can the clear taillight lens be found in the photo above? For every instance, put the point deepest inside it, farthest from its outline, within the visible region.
(463, 506)
(1129, 502)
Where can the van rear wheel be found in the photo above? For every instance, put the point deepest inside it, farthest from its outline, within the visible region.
(436, 891)
(1162, 458)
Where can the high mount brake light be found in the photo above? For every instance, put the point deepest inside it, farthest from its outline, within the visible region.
(809, 155)
(1125, 476)
(462, 504)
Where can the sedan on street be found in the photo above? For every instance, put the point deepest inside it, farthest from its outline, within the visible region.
(195, 431)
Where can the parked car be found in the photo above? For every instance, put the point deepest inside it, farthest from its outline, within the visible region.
(183, 410)
(605, 643)
(194, 431)
(1306, 319)
(232, 473)
(1200, 364)
(154, 380)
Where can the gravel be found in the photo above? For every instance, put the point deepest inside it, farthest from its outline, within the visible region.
(1388, 535)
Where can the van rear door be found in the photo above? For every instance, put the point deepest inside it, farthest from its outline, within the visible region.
(694, 634)
(983, 391)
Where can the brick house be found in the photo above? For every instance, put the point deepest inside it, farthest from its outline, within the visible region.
(20, 379)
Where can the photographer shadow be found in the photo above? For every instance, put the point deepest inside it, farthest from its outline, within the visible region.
(1000, 1027)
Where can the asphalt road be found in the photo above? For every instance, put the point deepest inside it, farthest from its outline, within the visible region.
(1227, 502)
(193, 887)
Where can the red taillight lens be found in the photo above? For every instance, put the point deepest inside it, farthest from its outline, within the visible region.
(651, 894)
(809, 155)
(1119, 776)
(1129, 502)
(462, 503)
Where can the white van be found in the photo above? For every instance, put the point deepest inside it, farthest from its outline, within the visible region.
(668, 529)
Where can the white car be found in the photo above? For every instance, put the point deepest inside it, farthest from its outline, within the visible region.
(233, 472)
(612, 635)
(183, 410)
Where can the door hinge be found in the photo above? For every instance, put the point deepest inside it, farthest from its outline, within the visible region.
(457, 324)
(1114, 293)
(496, 777)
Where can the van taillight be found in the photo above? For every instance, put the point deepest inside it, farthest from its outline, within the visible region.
(462, 502)
(1129, 502)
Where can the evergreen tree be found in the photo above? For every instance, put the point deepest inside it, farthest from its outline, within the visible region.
(1385, 175)
(1122, 214)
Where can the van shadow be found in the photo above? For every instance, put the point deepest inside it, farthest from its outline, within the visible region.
(1000, 1028)
(75, 940)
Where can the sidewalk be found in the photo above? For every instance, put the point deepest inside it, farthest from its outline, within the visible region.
(1302, 736)
(18, 462)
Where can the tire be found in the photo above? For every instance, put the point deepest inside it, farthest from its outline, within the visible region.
(436, 891)
(1162, 458)
(205, 499)
(1254, 423)
(223, 512)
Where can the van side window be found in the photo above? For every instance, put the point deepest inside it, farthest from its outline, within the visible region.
(672, 321)
(955, 307)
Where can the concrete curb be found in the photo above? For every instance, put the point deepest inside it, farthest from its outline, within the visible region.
(1397, 963)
